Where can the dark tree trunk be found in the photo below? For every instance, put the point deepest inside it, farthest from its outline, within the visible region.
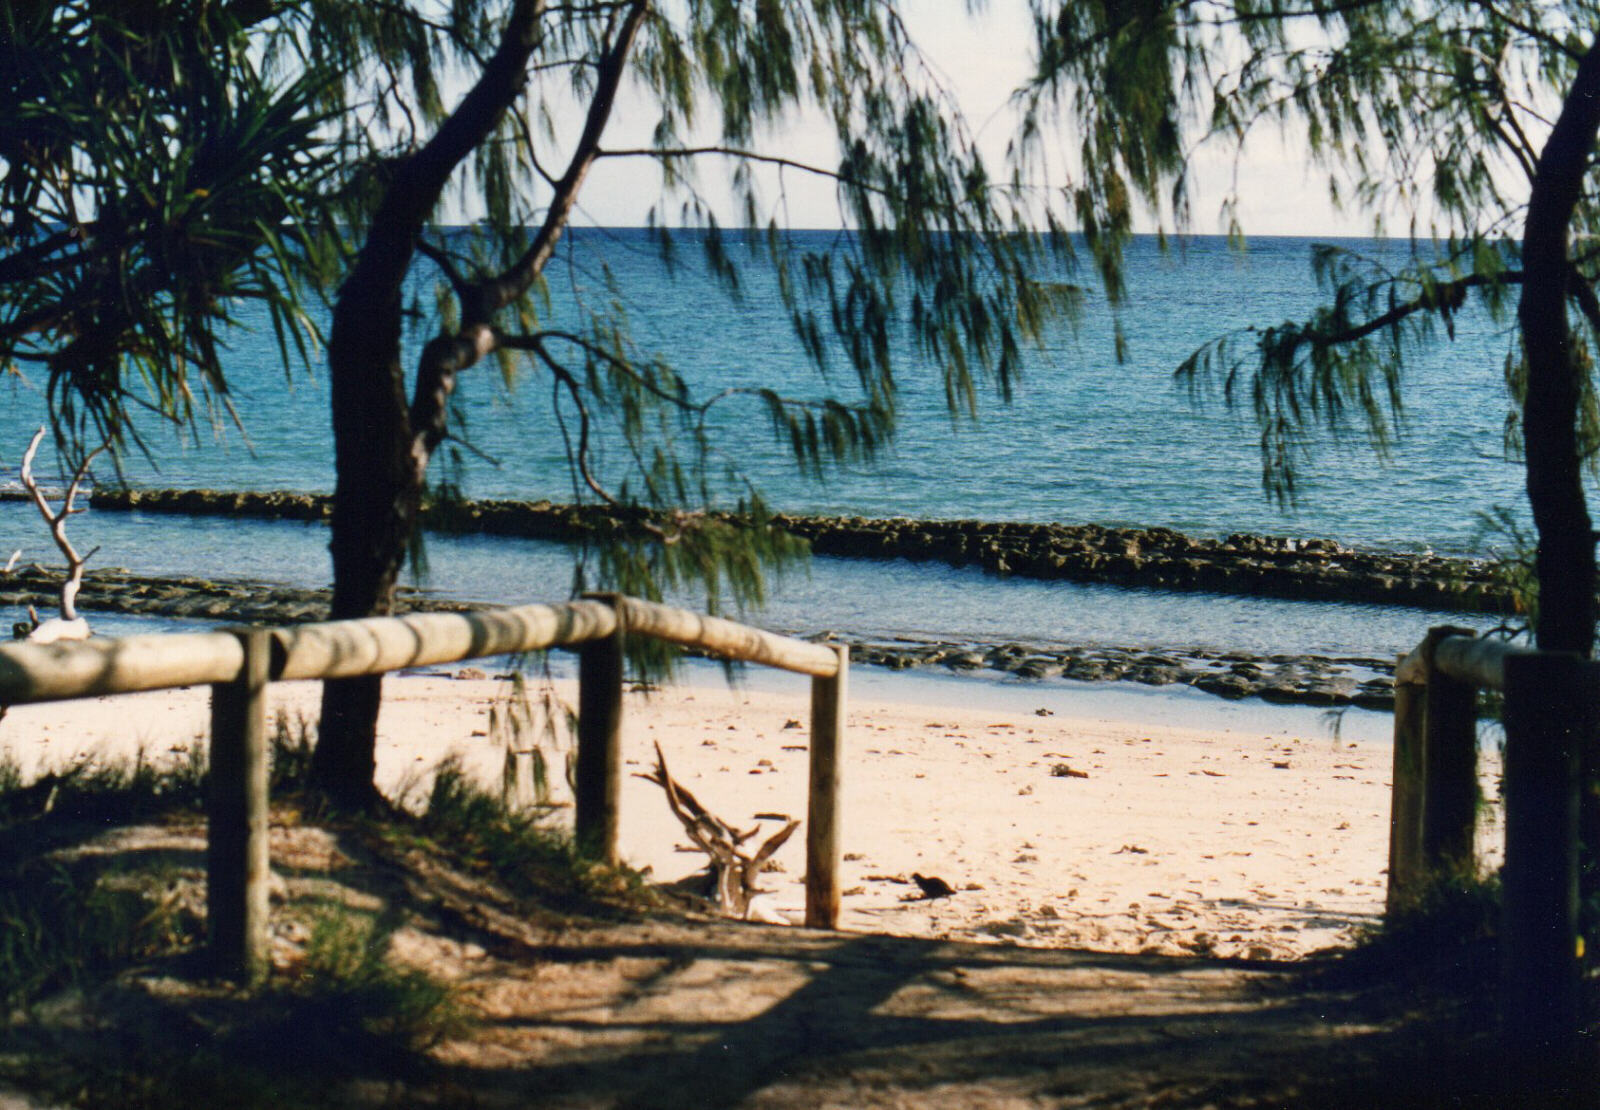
(374, 509)
(1565, 562)
(382, 446)
(379, 481)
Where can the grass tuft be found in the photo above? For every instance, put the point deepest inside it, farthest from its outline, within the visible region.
(67, 927)
(91, 931)
(293, 743)
(349, 988)
(345, 1017)
(104, 793)
(523, 849)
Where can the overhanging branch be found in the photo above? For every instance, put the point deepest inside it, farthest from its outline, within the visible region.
(495, 294)
(663, 154)
(1446, 296)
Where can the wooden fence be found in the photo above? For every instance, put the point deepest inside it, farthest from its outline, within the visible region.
(239, 665)
(1549, 715)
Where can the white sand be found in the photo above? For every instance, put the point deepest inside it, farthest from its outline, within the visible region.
(1233, 842)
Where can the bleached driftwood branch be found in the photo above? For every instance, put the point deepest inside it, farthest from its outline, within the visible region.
(68, 626)
(733, 872)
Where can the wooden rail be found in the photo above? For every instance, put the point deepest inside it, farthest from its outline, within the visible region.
(737, 641)
(239, 665)
(344, 649)
(91, 668)
(1551, 713)
(1459, 654)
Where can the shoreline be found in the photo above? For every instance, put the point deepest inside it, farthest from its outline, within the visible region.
(1151, 558)
(1243, 840)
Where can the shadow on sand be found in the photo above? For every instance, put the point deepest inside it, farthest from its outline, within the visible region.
(668, 1012)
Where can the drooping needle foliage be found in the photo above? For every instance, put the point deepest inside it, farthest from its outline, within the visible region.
(1469, 120)
(515, 106)
(166, 162)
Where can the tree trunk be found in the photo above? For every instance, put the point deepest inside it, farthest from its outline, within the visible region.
(380, 471)
(1565, 562)
(375, 503)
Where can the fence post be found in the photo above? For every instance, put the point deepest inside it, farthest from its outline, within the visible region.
(1406, 876)
(237, 864)
(598, 775)
(822, 809)
(1450, 761)
(1550, 715)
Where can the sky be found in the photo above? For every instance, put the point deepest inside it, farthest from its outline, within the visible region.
(986, 56)
(982, 57)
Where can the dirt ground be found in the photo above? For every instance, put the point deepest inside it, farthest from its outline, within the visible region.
(720, 1016)
(669, 1010)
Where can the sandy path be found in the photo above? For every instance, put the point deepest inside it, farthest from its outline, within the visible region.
(1177, 840)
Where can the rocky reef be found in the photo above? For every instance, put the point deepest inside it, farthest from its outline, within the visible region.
(1160, 558)
(1299, 679)
(1157, 558)
(1332, 681)
(1150, 558)
(192, 598)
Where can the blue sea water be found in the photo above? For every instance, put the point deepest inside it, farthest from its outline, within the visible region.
(1088, 438)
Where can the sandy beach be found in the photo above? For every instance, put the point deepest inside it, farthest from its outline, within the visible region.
(1053, 829)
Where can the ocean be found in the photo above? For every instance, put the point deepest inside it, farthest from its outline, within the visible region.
(1087, 438)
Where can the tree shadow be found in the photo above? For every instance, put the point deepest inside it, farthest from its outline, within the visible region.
(943, 1023)
(676, 1012)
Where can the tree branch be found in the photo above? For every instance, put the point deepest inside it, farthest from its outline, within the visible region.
(441, 258)
(1544, 38)
(516, 280)
(665, 153)
(442, 359)
(580, 457)
(446, 356)
(1446, 297)
(1584, 296)
(536, 343)
(420, 178)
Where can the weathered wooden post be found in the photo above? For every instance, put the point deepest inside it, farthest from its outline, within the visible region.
(237, 863)
(822, 811)
(1550, 715)
(1406, 875)
(598, 775)
(1450, 761)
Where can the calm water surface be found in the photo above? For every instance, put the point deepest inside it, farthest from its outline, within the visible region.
(1087, 439)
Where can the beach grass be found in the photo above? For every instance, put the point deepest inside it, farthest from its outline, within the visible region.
(96, 935)
(523, 848)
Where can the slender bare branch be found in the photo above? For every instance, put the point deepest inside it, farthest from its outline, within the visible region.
(57, 520)
(516, 279)
(442, 259)
(667, 153)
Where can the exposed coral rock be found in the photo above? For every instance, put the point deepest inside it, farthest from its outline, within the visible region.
(1159, 558)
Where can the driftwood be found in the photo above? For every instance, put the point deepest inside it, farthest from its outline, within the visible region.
(68, 626)
(733, 872)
